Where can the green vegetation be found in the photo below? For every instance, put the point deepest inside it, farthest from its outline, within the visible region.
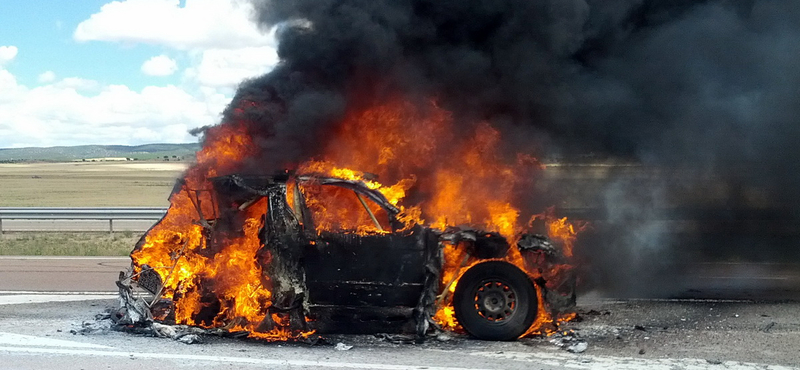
(67, 244)
(82, 152)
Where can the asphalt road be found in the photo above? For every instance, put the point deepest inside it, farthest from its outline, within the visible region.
(756, 281)
(48, 307)
(742, 280)
(60, 274)
(623, 335)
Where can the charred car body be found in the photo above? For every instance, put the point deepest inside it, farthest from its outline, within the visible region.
(388, 280)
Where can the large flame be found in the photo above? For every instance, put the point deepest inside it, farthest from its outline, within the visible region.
(459, 174)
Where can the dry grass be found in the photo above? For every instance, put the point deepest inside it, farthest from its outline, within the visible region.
(82, 184)
(67, 244)
(88, 184)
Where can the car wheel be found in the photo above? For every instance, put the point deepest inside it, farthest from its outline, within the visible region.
(495, 300)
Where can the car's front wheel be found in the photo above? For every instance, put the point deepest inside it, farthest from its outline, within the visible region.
(495, 300)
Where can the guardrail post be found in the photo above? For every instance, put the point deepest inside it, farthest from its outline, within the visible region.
(81, 213)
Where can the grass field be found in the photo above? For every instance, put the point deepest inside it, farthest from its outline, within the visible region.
(82, 184)
(67, 244)
(78, 152)
(88, 184)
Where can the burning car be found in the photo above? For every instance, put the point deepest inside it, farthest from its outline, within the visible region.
(317, 253)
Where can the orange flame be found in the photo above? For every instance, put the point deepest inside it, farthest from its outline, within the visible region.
(177, 247)
(458, 175)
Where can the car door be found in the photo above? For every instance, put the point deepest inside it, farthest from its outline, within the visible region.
(355, 258)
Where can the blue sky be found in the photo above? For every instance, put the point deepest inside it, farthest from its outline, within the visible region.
(123, 72)
(42, 31)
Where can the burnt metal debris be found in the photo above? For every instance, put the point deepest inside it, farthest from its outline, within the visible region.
(337, 280)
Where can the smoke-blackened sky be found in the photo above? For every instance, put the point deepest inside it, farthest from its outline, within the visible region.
(702, 81)
(710, 85)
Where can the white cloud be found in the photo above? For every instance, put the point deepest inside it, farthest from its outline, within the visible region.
(77, 83)
(47, 77)
(221, 43)
(63, 113)
(7, 53)
(8, 86)
(161, 65)
(227, 68)
(199, 24)
(7, 80)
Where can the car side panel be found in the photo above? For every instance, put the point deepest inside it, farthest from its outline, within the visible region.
(369, 270)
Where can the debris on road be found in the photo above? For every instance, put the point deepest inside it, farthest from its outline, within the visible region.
(579, 347)
(444, 337)
(342, 347)
(181, 333)
(101, 326)
(396, 338)
(189, 339)
(569, 341)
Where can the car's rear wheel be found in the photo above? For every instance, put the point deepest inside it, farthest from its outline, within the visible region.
(495, 300)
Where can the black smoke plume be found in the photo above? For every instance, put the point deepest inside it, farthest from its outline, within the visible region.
(699, 98)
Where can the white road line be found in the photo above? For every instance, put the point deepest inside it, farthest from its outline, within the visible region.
(44, 298)
(668, 300)
(748, 278)
(30, 340)
(591, 362)
(115, 258)
(54, 292)
(226, 359)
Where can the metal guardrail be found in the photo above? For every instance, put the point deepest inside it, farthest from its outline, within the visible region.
(75, 213)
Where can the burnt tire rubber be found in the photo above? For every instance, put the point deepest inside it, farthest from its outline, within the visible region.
(495, 300)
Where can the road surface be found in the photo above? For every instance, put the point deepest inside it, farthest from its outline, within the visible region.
(64, 274)
(48, 307)
(757, 281)
(620, 335)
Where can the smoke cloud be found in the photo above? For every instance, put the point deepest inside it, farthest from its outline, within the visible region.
(702, 95)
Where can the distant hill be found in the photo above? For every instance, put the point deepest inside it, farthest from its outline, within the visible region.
(79, 152)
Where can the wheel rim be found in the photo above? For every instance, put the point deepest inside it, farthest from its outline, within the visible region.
(495, 300)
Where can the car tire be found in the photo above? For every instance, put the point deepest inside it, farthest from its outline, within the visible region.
(495, 300)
